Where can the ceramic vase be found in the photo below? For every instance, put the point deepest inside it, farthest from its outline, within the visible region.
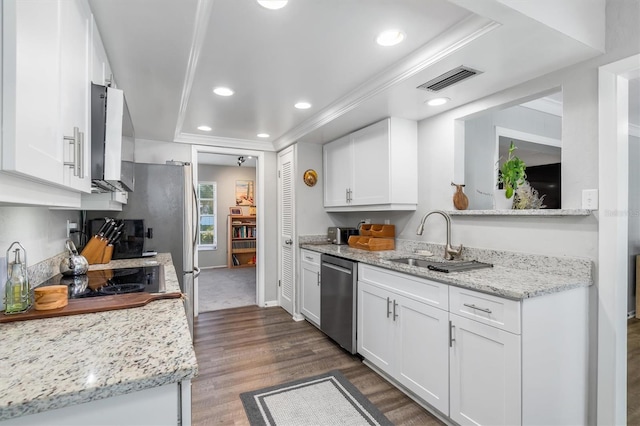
(500, 202)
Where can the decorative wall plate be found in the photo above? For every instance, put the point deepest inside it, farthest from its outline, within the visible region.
(310, 177)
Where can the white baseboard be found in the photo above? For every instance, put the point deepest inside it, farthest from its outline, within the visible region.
(270, 303)
(298, 317)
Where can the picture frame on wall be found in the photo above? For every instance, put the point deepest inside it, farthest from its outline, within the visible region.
(244, 193)
(235, 211)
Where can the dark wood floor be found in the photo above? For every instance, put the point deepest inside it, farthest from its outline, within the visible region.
(633, 371)
(249, 348)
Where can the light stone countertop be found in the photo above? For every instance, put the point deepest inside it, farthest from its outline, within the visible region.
(56, 362)
(514, 276)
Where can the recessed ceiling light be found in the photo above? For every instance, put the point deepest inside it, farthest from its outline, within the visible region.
(303, 105)
(390, 37)
(437, 101)
(204, 128)
(223, 91)
(273, 4)
(263, 135)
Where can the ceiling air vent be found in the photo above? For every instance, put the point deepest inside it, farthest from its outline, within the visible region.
(449, 78)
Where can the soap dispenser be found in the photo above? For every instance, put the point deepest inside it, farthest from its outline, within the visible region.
(17, 291)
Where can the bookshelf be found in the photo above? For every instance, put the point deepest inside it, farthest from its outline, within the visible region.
(241, 238)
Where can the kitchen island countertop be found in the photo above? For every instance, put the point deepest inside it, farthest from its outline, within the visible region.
(51, 363)
(520, 279)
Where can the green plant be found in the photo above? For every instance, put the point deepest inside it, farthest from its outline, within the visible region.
(512, 172)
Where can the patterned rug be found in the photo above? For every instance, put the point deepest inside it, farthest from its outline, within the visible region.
(327, 399)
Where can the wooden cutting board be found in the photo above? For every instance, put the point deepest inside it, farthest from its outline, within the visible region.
(91, 304)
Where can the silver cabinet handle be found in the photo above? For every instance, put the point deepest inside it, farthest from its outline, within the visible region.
(75, 141)
(395, 315)
(80, 162)
(309, 258)
(318, 273)
(388, 309)
(346, 195)
(477, 308)
(350, 195)
(451, 339)
(289, 241)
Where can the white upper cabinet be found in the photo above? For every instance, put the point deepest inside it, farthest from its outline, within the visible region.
(100, 68)
(45, 106)
(374, 168)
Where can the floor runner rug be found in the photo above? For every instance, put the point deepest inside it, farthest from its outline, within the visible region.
(327, 399)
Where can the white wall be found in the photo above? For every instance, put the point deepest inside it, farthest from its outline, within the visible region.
(311, 219)
(41, 231)
(225, 178)
(634, 217)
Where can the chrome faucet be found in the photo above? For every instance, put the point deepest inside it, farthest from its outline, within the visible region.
(449, 252)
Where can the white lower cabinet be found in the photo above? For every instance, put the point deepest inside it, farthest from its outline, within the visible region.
(484, 374)
(477, 358)
(310, 288)
(403, 335)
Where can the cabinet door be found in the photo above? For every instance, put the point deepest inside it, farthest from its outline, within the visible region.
(100, 69)
(375, 326)
(422, 342)
(485, 377)
(311, 291)
(338, 168)
(74, 91)
(371, 165)
(31, 93)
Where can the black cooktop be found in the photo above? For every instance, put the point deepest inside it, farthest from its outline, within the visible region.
(109, 282)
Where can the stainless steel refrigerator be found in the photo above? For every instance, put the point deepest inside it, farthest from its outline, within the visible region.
(165, 198)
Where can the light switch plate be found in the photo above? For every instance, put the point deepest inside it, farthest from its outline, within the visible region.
(590, 199)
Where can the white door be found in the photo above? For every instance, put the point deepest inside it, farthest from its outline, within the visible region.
(375, 326)
(338, 165)
(286, 274)
(422, 340)
(371, 165)
(74, 92)
(310, 288)
(485, 376)
(31, 146)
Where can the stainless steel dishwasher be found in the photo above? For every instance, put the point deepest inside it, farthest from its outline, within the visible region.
(338, 300)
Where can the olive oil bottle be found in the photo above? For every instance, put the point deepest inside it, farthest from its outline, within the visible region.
(17, 291)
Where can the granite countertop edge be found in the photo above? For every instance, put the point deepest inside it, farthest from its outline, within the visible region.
(156, 362)
(504, 281)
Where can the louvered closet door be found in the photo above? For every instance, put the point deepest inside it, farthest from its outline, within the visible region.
(287, 231)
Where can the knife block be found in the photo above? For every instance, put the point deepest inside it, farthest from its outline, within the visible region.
(97, 251)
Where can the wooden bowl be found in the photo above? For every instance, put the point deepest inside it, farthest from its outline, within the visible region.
(50, 297)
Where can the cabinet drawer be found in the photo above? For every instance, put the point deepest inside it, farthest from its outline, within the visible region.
(420, 289)
(309, 256)
(485, 308)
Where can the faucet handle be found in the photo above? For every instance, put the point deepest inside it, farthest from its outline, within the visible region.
(452, 253)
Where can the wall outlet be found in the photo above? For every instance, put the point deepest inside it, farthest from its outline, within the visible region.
(387, 222)
(590, 199)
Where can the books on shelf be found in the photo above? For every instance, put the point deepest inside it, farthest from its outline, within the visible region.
(244, 231)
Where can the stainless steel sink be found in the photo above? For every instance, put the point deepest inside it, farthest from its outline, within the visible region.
(443, 265)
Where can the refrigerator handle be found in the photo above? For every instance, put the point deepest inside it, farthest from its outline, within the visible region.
(197, 216)
(196, 272)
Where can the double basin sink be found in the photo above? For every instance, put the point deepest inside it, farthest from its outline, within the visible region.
(443, 265)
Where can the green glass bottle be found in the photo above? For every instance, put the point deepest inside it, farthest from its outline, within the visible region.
(17, 297)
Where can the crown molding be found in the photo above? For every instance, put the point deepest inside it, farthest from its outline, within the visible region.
(203, 15)
(454, 39)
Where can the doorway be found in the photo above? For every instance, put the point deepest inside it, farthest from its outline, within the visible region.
(220, 285)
